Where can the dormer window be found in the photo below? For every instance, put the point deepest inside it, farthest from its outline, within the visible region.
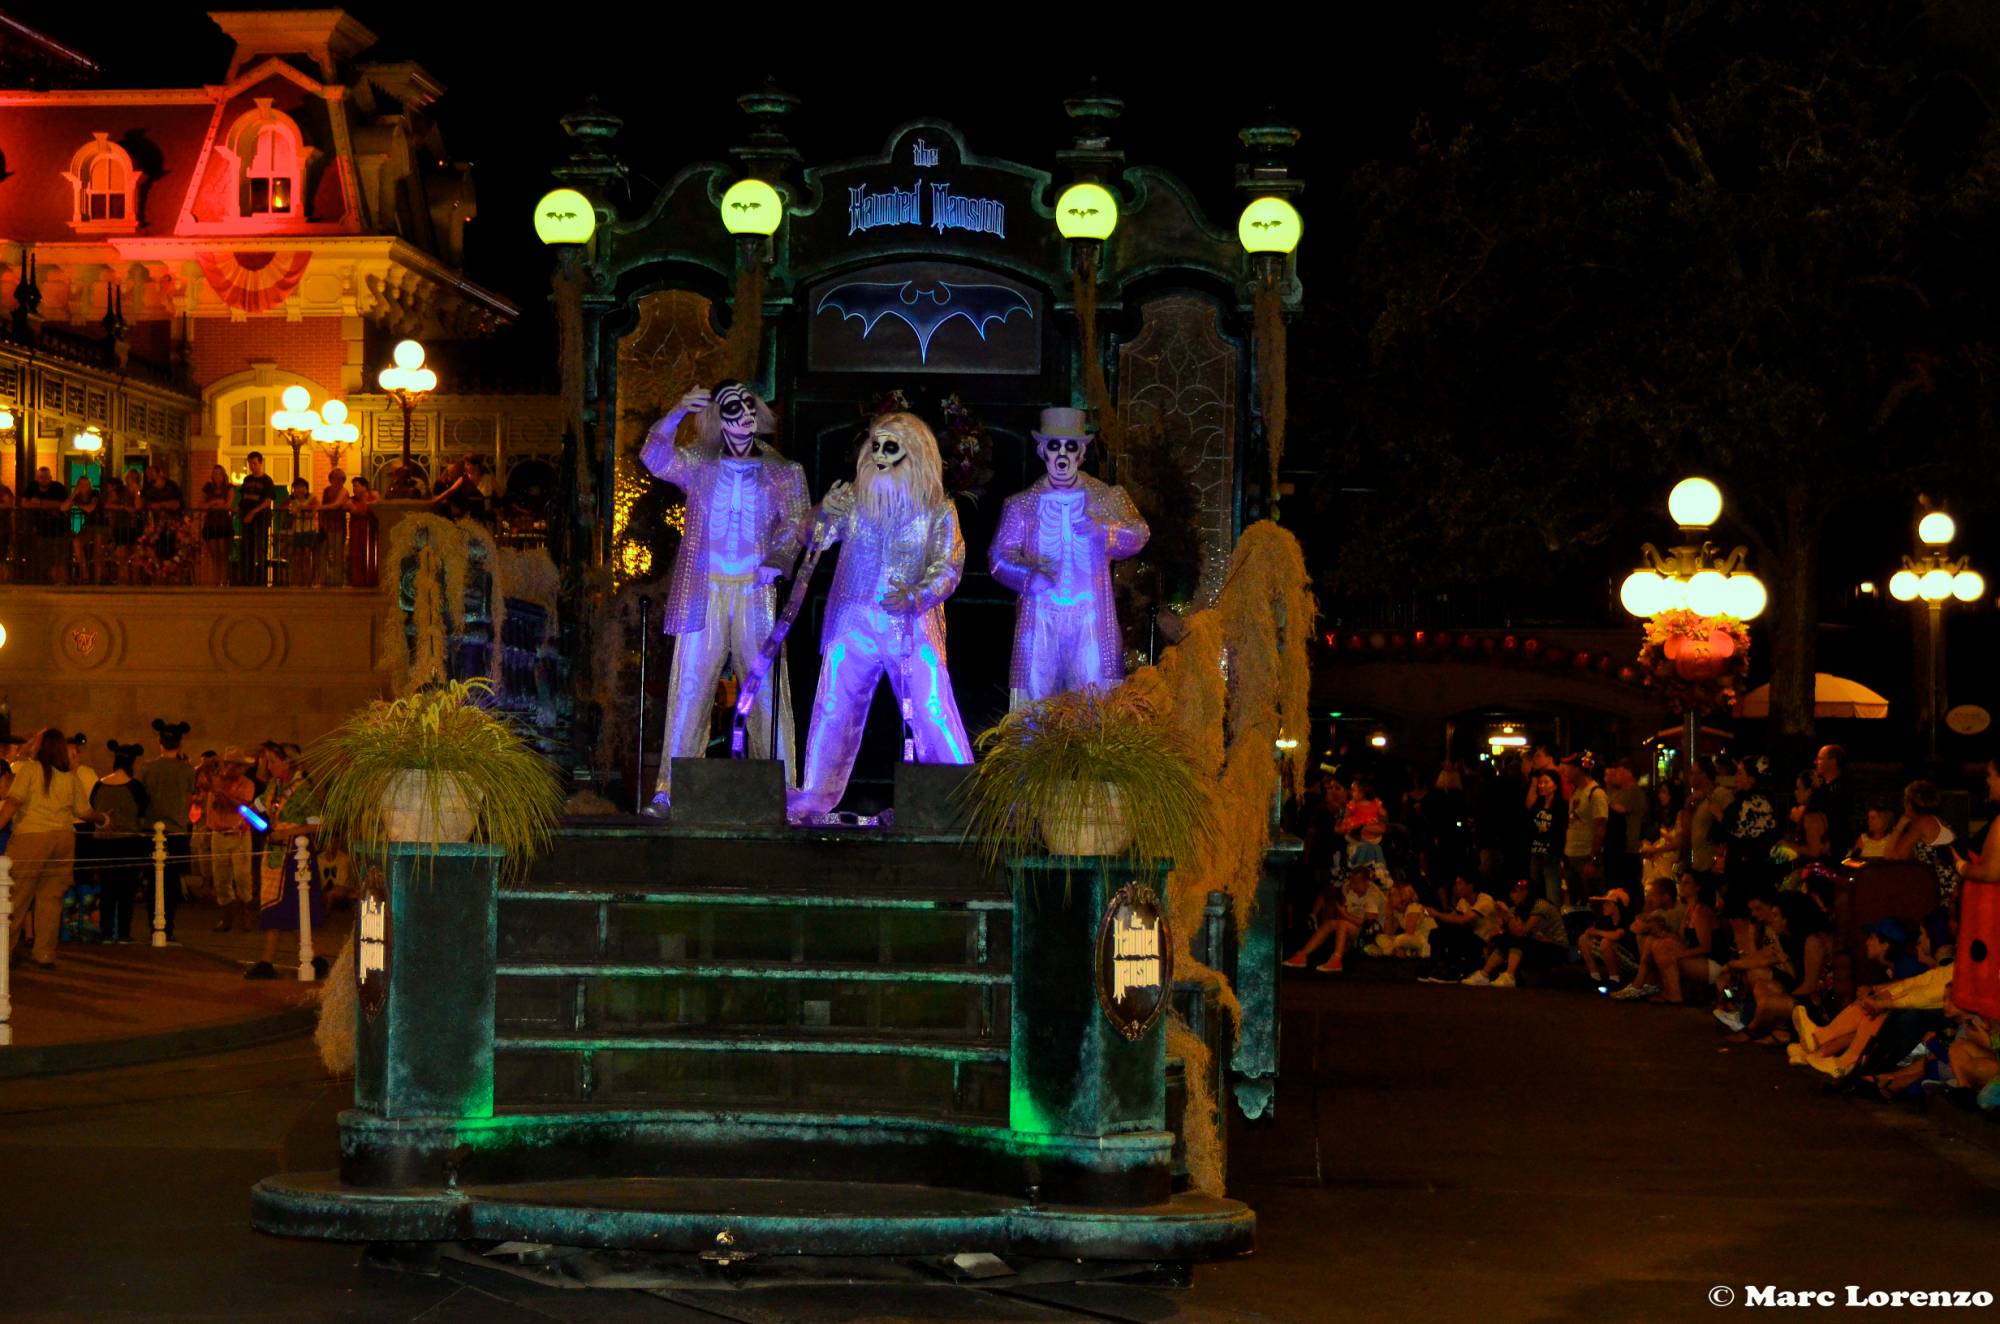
(106, 186)
(269, 172)
(270, 158)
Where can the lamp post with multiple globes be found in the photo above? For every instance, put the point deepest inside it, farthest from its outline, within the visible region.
(295, 422)
(1936, 577)
(406, 382)
(1694, 575)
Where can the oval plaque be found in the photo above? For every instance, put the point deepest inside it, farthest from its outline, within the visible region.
(371, 948)
(1968, 719)
(1135, 960)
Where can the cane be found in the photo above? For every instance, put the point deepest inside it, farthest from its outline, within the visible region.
(645, 646)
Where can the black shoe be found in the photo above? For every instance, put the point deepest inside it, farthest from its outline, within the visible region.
(261, 970)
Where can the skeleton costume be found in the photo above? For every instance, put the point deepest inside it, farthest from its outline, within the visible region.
(745, 508)
(902, 557)
(1055, 546)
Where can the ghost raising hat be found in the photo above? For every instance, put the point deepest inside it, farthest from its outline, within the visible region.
(1062, 423)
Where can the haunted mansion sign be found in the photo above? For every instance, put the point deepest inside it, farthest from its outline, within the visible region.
(1135, 960)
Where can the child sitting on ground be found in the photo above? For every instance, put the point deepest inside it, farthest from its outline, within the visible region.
(1412, 937)
(1598, 944)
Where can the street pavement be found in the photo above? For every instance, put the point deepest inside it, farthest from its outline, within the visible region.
(143, 995)
(1438, 1153)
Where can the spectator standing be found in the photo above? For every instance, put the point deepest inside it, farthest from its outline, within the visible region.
(1832, 797)
(230, 789)
(282, 873)
(218, 526)
(125, 507)
(255, 497)
(163, 503)
(1749, 828)
(84, 515)
(361, 530)
(1625, 839)
(49, 500)
(1547, 820)
(44, 803)
(1583, 841)
(1926, 838)
(302, 538)
(169, 780)
(124, 840)
(1705, 805)
(333, 510)
(7, 547)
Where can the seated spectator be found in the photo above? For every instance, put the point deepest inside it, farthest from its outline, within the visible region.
(1609, 926)
(1793, 967)
(1873, 843)
(1531, 937)
(1668, 960)
(1412, 937)
(1836, 1048)
(1974, 1063)
(1459, 939)
(1353, 914)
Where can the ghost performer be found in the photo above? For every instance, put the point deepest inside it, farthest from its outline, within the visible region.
(900, 558)
(746, 507)
(1055, 546)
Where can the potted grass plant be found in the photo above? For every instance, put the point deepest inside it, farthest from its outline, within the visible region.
(1089, 773)
(433, 767)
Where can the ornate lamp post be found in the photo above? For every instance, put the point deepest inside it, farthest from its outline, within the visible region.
(407, 382)
(1936, 577)
(296, 422)
(1269, 230)
(1694, 595)
(90, 441)
(752, 210)
(1086, 215)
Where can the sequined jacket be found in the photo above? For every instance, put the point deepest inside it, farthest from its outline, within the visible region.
(925, 551)
(1125, 534)
(781, 514)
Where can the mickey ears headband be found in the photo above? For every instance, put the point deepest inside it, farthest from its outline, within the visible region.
(163, 726)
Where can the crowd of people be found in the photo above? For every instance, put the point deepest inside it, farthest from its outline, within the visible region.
(145, 529)
(82, 843)
(1717, 889)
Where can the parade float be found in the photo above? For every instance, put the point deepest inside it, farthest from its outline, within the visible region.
(844, 1004)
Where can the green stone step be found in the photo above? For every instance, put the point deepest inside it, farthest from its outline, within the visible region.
(907, 1043)
(829, 972)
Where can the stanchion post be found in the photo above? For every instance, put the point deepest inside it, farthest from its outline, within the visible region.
(6, 949)
(159, 884)
(302, 861)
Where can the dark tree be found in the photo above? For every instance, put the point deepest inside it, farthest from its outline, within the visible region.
(1748, 238)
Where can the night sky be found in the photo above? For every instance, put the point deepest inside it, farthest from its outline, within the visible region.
(506, 88)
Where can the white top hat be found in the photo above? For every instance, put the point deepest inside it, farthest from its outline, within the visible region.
(1062, 423)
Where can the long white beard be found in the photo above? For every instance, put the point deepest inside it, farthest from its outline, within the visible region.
(885, 495)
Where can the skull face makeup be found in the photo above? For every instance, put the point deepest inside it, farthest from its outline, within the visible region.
(736, 407)
(886, 448)
(1064, 458)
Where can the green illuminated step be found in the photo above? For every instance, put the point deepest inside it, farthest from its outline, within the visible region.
(832, 972)
(905, 1043)
(736, 896)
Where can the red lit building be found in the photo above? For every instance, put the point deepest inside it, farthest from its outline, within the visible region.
(172, 258)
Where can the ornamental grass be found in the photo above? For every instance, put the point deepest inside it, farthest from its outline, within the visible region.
(447, 732)
(1086, 756)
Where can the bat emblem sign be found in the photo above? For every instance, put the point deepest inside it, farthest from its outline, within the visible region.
(924, 308)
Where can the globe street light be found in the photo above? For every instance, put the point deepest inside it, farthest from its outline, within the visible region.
(334, 432)
(295, 422)
(1935, 577)
(1694, 576)
(407, 382)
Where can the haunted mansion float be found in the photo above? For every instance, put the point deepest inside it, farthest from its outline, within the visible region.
(731, 1035)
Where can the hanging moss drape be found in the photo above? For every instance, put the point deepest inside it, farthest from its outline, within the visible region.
(416, 642)
(1268, 332)
(1235, 685)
